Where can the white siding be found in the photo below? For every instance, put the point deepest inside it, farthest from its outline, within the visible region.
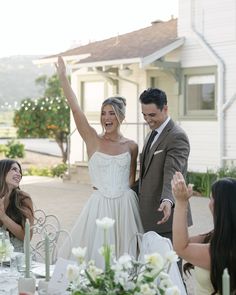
(215, 22)
(203, 137)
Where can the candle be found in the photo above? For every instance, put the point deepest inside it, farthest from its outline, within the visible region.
(27, 248)
(47, 258)
(225, 282)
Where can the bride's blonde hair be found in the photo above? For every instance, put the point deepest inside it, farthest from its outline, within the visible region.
(118, 103)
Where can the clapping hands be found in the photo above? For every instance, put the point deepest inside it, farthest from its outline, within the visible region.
(180, 190)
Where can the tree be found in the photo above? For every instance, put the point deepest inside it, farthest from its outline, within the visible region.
(48, 116)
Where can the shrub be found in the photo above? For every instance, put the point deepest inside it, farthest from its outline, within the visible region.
(3, 149)
(227, 172)
(56, 171)
(33, 170)
(202, 181)
(59, 169)
(15, 149)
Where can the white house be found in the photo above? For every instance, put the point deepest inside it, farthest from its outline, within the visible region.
(191, 58)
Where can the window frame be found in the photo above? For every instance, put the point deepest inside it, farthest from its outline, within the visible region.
(186, 114)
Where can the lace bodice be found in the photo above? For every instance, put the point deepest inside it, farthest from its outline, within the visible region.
(110, 174)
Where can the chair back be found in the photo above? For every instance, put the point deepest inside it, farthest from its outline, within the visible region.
(153, 242)
(46, 225)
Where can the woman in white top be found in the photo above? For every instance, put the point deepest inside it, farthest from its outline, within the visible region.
(220, 253)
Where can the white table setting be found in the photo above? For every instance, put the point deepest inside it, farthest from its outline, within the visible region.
(18, 273)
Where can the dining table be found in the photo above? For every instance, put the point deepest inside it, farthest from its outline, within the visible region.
(10, 273)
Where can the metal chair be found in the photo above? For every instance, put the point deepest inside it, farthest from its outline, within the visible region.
(46, 225)
(153, 242)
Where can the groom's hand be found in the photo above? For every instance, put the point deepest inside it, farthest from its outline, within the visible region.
(165, 207)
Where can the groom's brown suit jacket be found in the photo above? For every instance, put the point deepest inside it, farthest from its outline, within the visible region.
(167, 155)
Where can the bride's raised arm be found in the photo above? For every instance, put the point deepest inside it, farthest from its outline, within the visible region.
(88, 133)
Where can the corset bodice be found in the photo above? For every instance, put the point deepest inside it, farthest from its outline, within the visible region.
(110, 174)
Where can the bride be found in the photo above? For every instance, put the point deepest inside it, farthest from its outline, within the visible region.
(112, 167)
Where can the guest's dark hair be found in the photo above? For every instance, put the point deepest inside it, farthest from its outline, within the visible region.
(18, 208)
(223, 241)
(154, 95)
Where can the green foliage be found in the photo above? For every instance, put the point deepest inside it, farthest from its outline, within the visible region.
(15, 149)
(55, 171)
(59, 169)
(54, 89)
(202, 181)
(43, 118)
(33, 170)
(227, 172)
(3, 149)
(46, 117)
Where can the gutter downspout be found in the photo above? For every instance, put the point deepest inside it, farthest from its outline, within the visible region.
(220, 85)
(109, 76)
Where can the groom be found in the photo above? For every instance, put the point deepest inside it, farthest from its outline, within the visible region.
(166, 150)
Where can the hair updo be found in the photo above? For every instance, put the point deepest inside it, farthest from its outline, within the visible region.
(119, 104)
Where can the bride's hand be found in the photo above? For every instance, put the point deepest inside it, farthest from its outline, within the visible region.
(60, 66)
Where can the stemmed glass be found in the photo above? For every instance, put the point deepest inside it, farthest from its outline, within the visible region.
(2, 250)
(6, 248)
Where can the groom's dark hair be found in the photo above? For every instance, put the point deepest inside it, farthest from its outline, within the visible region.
(154, 95)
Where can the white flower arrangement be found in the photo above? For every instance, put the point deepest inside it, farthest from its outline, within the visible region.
(6, 249)
(124, 276)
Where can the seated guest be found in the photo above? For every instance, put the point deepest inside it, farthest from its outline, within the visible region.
(211, 258)
(15, 205)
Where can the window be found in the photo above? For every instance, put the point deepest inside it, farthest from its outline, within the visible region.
(199, 94)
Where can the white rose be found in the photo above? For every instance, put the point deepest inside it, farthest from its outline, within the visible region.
(72, 272)
(125, 260)
(146, 290)
(94, 271)
(121, 277)
(154, 260)
(173, 291)
(79, 253)
(105, 222)
(171, 256)
(165, 284)
(129, 286)
(163, 275)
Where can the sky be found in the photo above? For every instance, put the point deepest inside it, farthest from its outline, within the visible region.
(44, 27)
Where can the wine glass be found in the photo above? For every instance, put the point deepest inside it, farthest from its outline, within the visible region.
(6, 248)
(2, 250)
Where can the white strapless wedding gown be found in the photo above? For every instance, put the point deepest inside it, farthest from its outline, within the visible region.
(112, 198)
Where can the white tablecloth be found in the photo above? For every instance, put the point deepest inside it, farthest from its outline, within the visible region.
(9, 278)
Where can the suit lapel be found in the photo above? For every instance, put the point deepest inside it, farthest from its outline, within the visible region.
(160, 139)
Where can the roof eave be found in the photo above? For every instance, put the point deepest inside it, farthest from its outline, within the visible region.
(69, 58)
(103, 63)
(162, 52)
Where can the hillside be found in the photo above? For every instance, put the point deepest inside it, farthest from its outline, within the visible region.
(17, 78)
